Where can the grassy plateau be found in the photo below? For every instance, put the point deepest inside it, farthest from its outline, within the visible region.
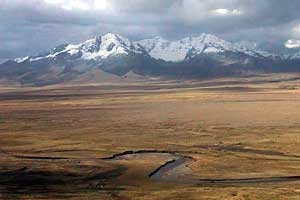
(240, 135)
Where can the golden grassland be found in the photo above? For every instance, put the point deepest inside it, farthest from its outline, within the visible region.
(52, 139)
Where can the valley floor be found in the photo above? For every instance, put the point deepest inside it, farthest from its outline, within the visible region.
(233, 138)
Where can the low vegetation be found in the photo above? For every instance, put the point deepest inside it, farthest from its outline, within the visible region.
(53, 140)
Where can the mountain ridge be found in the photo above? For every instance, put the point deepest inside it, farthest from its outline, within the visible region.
(200, 56)
(212, 42)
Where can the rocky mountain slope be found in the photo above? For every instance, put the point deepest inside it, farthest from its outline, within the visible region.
(192, 57)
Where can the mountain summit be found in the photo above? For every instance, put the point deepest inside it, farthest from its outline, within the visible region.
(100, 47)
(175, 51)
(205, 55)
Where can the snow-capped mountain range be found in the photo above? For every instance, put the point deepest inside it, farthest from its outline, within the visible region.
(111, 44)
(175, 51)
(97, 48)
(199, 56)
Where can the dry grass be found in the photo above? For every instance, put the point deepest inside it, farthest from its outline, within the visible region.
(210, 120)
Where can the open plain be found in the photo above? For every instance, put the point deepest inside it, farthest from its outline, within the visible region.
(229, 138)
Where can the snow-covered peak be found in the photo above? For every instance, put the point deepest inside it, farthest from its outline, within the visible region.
(148, 43)
(109, 45)
(97, 48)
(102, 47)
(116, 38)
(160, 48)
(91, 45)
(207, 39)
(22, 59)
(179, 50)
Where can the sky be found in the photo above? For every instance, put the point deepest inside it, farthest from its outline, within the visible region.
(31, 26)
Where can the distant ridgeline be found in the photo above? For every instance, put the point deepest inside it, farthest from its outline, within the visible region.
(113, 57)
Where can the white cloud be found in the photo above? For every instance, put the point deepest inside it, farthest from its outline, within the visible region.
(76, 4)
(55, 1)
(269, 22)
(237, 12)
(79, 4)
(224, 11)
(292, 44)
(100, 4)
(221, 11)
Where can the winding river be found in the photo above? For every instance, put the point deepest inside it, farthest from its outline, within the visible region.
(177, 168)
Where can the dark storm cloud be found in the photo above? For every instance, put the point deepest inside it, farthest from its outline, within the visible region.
(30, 26)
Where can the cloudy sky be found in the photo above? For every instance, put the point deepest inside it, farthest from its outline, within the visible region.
(30, 26)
